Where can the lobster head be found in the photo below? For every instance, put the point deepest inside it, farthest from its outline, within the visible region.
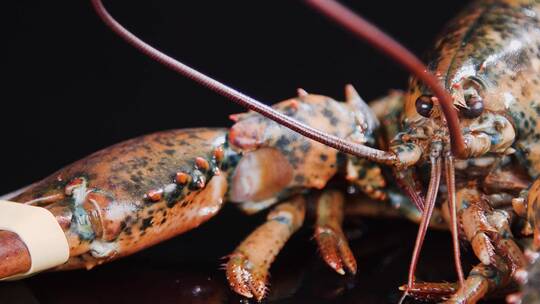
(482, 116)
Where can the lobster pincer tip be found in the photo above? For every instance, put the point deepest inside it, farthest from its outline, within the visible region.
(243, 279)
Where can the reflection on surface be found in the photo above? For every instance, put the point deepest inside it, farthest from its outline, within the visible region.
(186, 269)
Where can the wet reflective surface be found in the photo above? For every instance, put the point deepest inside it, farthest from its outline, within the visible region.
(187, 269)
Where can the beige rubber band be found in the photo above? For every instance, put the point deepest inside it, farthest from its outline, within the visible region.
(38, 229)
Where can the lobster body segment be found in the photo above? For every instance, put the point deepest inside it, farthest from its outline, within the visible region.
(303, 163)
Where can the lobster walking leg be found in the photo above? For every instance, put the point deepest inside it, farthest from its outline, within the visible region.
(527, 205)
(428, 291)
(330, 238)
(482, 280)
(247, 268)
(531, 211)
(491, 239)
(490, 236)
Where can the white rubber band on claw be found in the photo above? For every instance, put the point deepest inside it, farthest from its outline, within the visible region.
(38, 229)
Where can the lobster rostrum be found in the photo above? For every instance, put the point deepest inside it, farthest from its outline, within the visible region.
(470, 116)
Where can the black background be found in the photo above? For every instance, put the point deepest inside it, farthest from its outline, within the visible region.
(71, 87)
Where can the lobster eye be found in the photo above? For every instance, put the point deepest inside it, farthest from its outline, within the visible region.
(424, 105)
(475, 106)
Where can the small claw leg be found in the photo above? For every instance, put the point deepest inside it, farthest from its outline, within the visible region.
(481, 280)
(488, 231)
(533, 212)
(247, 268)
(476, 227)
(244, 278)
(330, 238)
(425, 291)
(490, 235)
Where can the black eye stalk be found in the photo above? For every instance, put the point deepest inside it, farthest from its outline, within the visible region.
(424, 105)
(475, 106)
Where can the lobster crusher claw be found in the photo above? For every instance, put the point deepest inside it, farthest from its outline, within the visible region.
(47, 245)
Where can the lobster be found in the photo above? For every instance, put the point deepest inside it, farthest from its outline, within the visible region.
(137, 193)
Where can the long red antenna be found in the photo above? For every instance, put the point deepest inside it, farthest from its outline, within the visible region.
(375, 37)
(431, 198)
(241, 99)
(452, 206)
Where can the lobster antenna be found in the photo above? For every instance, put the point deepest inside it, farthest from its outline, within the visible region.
(431, 198)
(241, 99)
(375, 37)
(449, 172)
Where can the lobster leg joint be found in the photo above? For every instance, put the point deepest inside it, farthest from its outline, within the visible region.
(330, 238)
(247, 268)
